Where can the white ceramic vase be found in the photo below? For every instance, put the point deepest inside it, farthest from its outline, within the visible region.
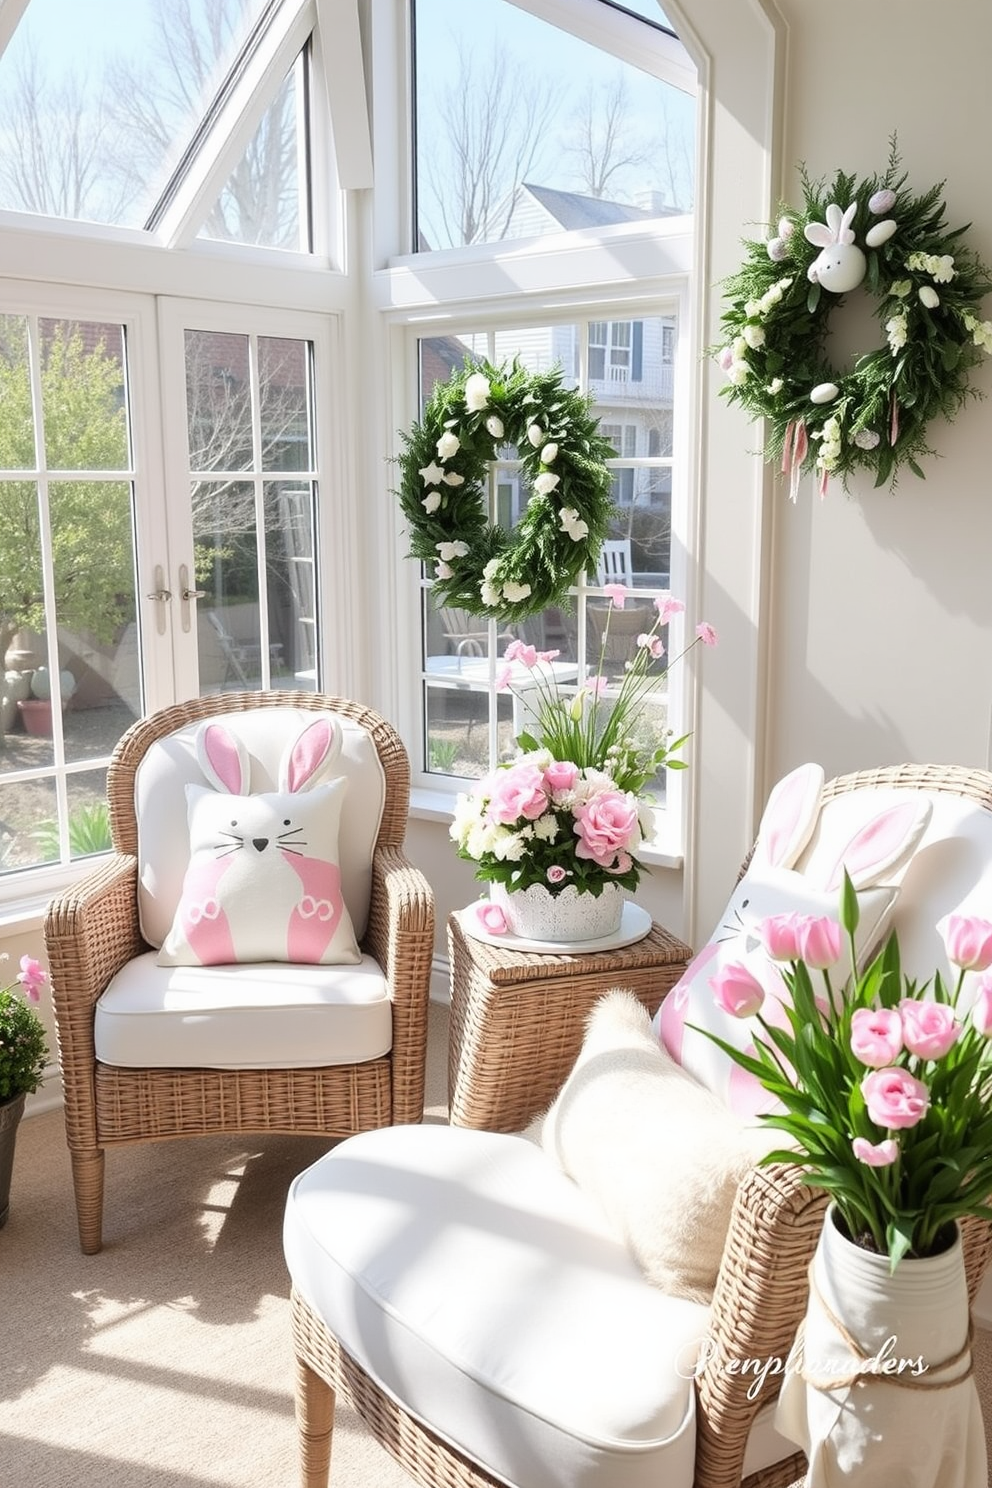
(879, 1391)
(536, 914)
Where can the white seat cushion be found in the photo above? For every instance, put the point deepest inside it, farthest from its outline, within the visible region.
(479, 1286)
(261, 1015)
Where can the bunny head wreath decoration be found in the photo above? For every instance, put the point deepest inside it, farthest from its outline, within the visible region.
(927, 285)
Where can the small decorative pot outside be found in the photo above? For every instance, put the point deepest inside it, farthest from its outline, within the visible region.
(537, 914)
(879, 1388)
(11, 1112)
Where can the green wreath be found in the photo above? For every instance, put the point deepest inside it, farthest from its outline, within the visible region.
(928, 286)
(477, 566)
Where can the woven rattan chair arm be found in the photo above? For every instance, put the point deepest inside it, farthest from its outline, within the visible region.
(91, 931)
(759, 1302)
(400, 936)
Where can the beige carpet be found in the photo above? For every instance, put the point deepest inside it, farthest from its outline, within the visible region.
(165, 1361)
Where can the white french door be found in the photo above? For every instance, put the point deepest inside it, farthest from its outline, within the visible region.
(158, 533)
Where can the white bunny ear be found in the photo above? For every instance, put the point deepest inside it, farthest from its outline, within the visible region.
(817, 234)
(835, 222)
(883, 844)
(846, 230)
(223, 759)
(789, 817)
(309, 754)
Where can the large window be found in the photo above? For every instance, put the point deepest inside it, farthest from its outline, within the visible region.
(468, 725)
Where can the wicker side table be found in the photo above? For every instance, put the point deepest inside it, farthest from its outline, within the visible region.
(518, 1018)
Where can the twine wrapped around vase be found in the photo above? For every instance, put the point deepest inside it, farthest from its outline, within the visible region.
(873, 1343)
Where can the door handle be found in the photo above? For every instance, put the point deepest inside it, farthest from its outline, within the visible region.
(162, 596)
(188, 595)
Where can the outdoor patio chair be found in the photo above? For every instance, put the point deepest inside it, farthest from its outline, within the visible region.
(468, 1299)
(259, 986)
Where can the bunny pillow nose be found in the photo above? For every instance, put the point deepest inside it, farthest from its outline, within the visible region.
(260, 843)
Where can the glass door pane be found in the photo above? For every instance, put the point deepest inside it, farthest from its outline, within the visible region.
(253, 488)
(70, 636)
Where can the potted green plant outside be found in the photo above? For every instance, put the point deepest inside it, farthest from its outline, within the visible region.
(23, 1056)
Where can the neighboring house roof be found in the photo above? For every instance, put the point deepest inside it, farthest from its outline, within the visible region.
(574, 211)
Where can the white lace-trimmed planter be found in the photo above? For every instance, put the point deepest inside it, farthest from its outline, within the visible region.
(537, 914)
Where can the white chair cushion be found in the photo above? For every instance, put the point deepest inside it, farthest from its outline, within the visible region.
(161, 809)
(265, 1015)
(479, 1286)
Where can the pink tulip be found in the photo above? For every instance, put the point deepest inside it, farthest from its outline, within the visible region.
(779, 934)
(517, 792)
(519, 651)
(502, 680)
(561, 775)
(928, 1028)
(706, 633)
(32, 978)
(819, 941)
(736, 991)
(968, 941)
(981, 1011)
(491, 917)
(895, 1099)
(876, 1036)
(616, 592)
(605, 825)
(876, 1154)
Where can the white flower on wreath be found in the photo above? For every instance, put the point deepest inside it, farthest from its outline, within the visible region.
(545, 483)
(489, 592)
(432, 502)
(929, 297)
(514, 593)
(573, 524)
(754, 336)
(738, 373)
(896, 331)
(775, 386)
(444, 571)
(901, 288)
(452, 478)
(449, 550)
(477, 392)
(981, 330)
(431, 474)
(830, 449)
(449, 444)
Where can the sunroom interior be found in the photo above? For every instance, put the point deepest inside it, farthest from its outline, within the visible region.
(240, 243)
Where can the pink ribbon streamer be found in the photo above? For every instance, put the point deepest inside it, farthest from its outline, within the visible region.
(794, 453)
(894, 421)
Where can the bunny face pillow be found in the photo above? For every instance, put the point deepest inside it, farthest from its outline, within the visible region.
(874, 853)
(263, 882)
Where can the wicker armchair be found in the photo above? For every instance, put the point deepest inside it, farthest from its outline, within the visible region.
(93, 932)
(761, 1290)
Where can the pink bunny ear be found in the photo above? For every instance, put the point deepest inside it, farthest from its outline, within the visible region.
(308, 755)
(223, 759)
(789, 817)
(882, 844)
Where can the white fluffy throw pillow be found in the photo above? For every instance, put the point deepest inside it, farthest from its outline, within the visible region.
(660, 1154)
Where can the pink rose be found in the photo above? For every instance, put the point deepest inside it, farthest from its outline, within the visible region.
(968, 941)
(736, 991)
(981, 1011)
(623, 864)
(876, 1036)
(928, 1028)
(491, 917)
(876, 1154)
(819, 941)
(32, 978)
(556, 874)
(779, 934)
(894, 1098)
(605, 825)
(517, 792)
(561, 775)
